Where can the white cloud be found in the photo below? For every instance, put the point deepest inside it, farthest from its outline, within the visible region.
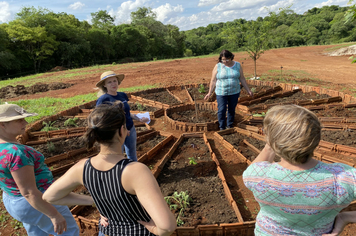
(203, 3)
(76, 6)
(276, 7)
(167, 11)
(123, 13)
(241, 4)
(5, 13)
(332, 2)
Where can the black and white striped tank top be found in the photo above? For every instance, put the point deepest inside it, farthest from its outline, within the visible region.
(121, 208)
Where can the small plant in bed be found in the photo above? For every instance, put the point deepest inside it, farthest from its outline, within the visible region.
(140, 107)
(71, 122)
(48, 126)
(192, 161)
(201, 88)
(179, 201)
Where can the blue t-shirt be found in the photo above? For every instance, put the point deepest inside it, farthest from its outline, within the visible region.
(228, 79)
(107, 99)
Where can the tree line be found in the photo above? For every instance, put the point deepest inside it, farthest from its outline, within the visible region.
(39, 39)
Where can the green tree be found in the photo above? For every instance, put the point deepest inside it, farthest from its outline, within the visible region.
(34, 40)
(102, 20)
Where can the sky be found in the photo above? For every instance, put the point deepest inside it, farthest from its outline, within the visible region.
(186, 14)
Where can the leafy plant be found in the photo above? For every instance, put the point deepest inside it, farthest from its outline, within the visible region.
(151, 167)
(201, 88)
(263, 114)
(253, 90)
(179, 201)
(51, 147)
(48, 126)
(16, 224)
(192, 161)
(140, 107)
(71, 122)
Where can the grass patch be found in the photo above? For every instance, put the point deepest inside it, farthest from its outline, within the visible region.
(339, 46)
(48, 106)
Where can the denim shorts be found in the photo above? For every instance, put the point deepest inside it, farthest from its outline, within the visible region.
(35, 222)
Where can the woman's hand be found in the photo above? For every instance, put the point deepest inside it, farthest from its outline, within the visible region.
(150, 226)
(144, 119)
(59, 223)
(250, 93)
(104, 221)
(207, 96)
(128, 133)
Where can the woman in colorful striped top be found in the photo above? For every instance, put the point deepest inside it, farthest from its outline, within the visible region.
(298, 195)
(226, 77)
(124, 191)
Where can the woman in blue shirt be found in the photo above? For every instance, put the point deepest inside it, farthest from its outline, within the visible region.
(226, 77)
(108, 86)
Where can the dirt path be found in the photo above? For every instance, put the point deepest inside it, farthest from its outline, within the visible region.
(311, 60)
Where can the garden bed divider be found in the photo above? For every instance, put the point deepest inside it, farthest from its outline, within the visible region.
(142, 138)
(329, 159)
(337, 147)
(148, 155)
(253, 148)
(177, 98)
(262, 93)
(187, 126)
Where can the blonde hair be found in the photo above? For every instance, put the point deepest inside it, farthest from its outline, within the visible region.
(293, 132)
(102, 91)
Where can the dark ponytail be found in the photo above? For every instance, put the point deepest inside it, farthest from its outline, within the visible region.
(103, 122)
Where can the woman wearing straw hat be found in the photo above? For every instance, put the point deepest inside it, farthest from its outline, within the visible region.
(108, 86)
(24, 177)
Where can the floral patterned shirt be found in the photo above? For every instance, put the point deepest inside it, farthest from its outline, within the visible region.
(299, 202)
(13, 156)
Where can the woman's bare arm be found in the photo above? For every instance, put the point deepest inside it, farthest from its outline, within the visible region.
(244, 83)
(25, 180)
(212, 82)
(60, 192)
(137, 179)
(267, 154)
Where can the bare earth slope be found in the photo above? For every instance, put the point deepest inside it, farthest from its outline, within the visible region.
(338, 71)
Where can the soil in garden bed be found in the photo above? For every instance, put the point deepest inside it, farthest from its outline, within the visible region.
(151, 163)
(236, 140)
(163, 97)
(209, 204)
(233, 168)
(59, 147)
(199, 93)
(181, 94)
(67, 123)
(204, 116)
(255, 89)
(293, 98)
(140, 128)
(336, 112)
(344, 137)
(142, 148)
(141, 107)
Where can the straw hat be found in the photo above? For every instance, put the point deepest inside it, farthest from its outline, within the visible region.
(9, 112)
(110, 74)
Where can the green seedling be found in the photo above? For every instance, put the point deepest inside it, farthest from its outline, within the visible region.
(263, 114)
(16, 224)
(151, 167)
(192, 161)
(71, 122)
(179, 201)
(48, 126)
(51, 147)
(140, 107)
(253, 90)
(201, 88)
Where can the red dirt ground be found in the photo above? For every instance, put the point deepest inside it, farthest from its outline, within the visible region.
(337, 72)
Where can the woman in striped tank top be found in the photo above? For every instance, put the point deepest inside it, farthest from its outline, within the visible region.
(226, 77)
(125, 192)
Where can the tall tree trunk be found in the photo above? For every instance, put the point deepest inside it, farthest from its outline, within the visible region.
(254, 60)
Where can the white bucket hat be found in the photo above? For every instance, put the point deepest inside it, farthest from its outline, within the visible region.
(9, 112)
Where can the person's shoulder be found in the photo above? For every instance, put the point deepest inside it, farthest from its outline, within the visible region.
(257, 167)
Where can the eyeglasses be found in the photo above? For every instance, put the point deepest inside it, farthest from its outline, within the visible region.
(225, 60)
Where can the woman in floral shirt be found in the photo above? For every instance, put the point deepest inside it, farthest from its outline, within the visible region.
(24, 177)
